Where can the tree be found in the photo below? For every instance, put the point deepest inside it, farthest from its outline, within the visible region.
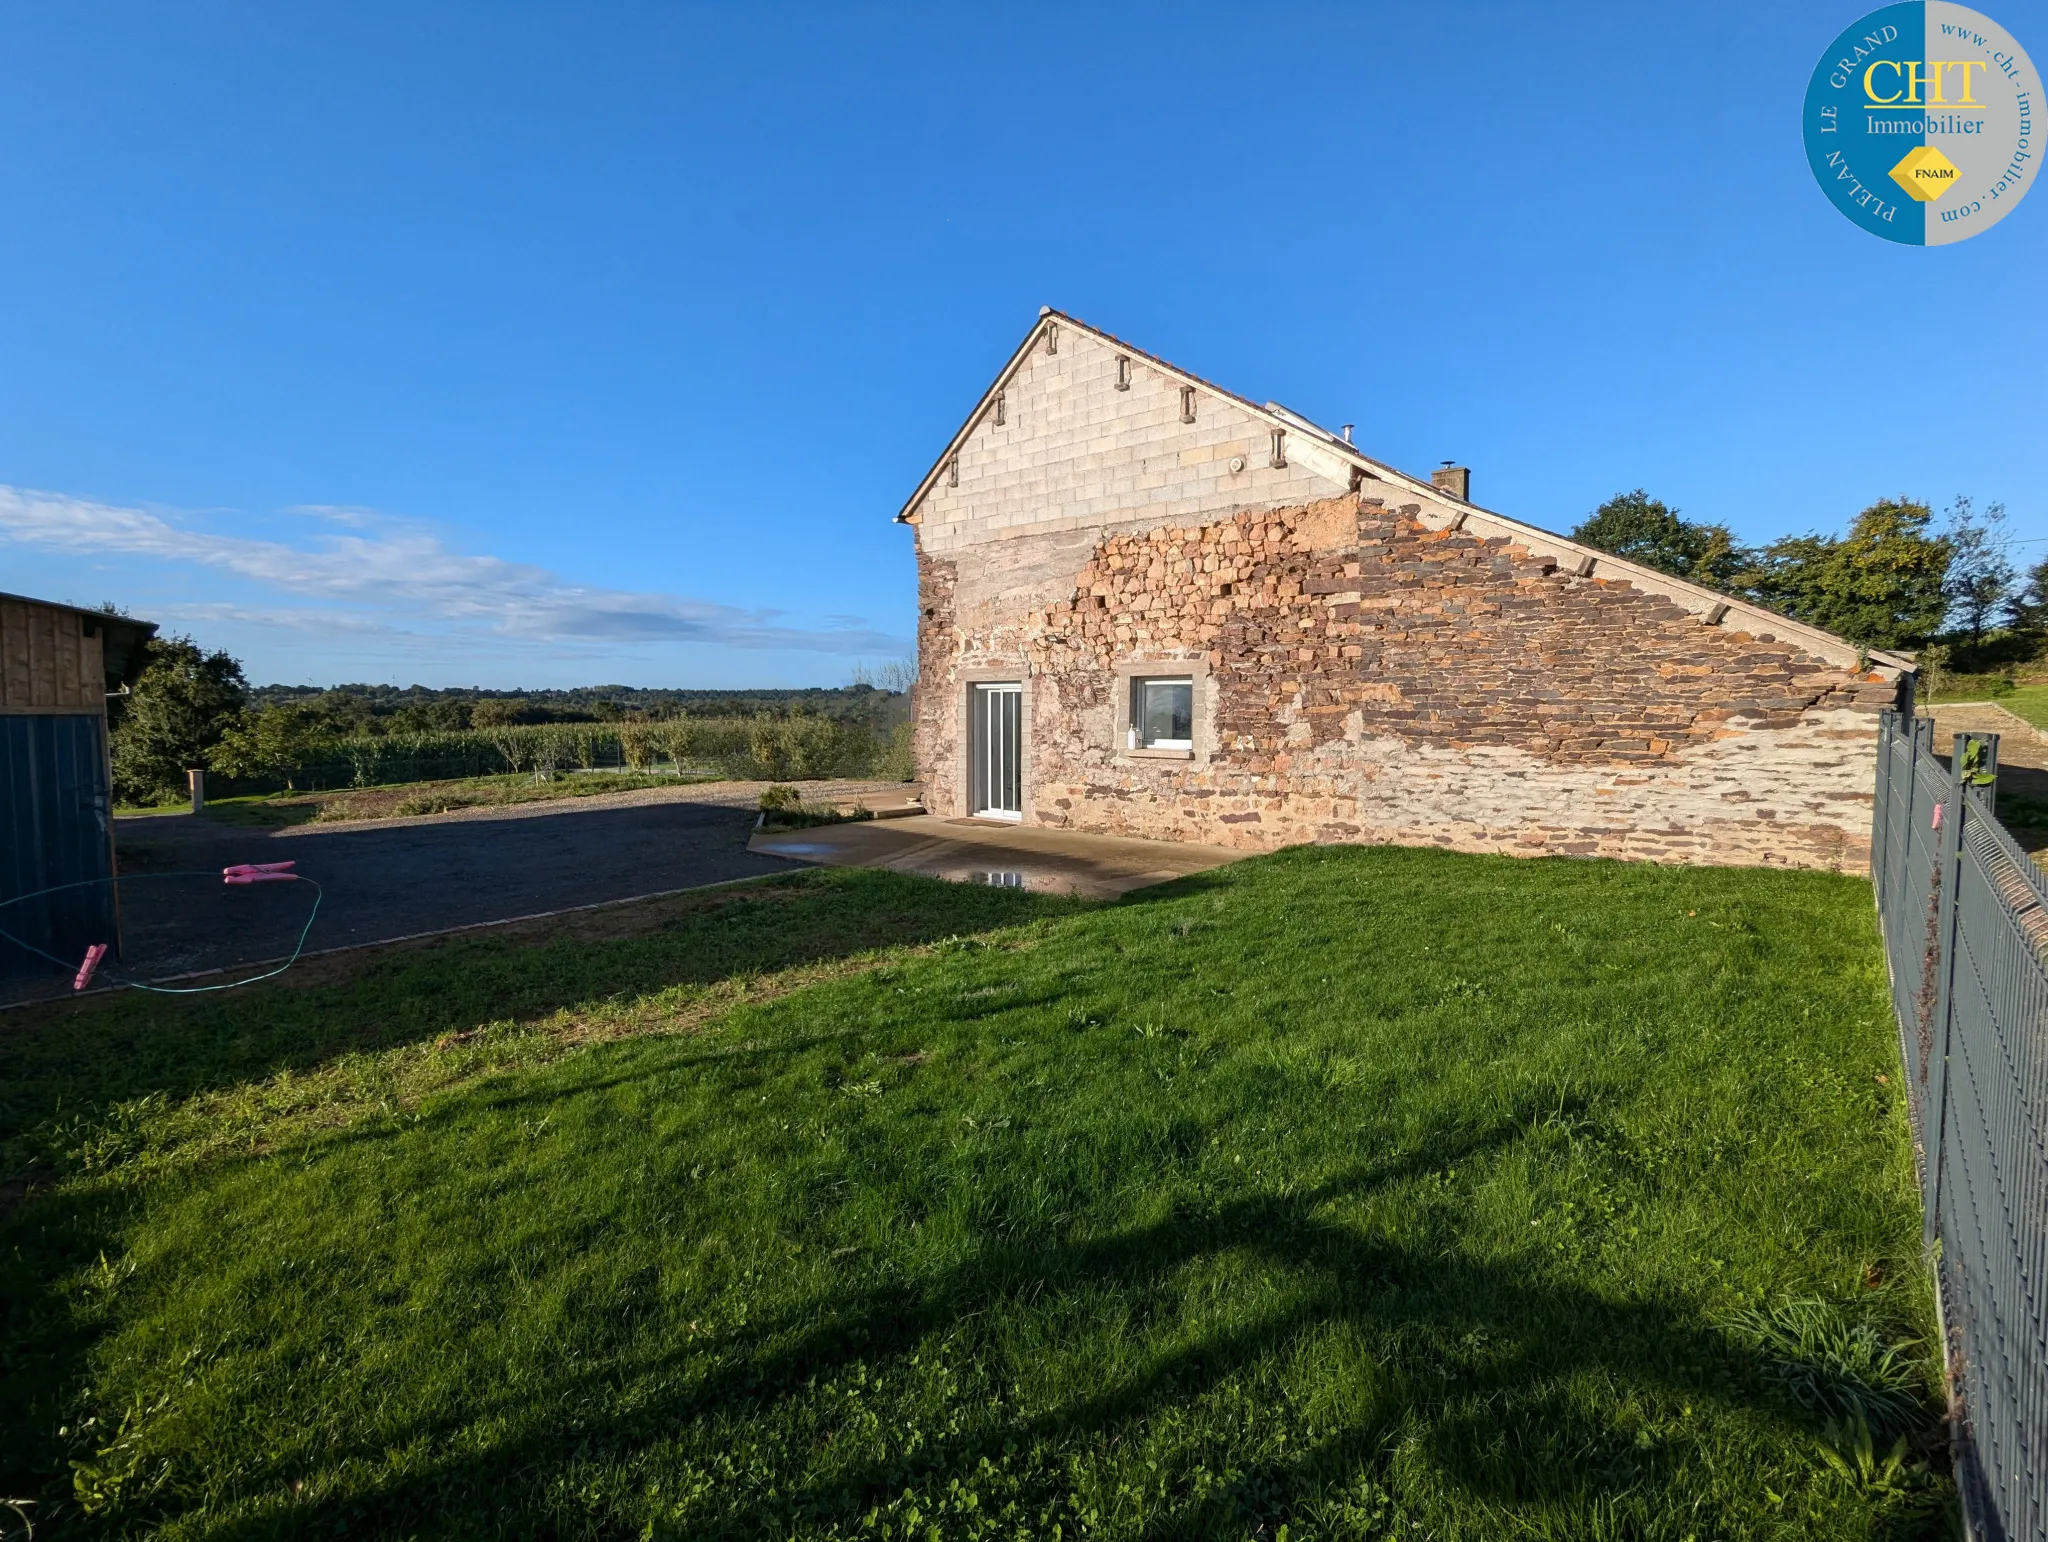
(2027, 610)
(432, 716)
(182, 703)
(270, 743)
(1980, 574)
(1644, 529)
(347, 711)
(499, 711)
(1883, 585)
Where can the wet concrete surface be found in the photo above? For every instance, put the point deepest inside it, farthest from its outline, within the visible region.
(987, 851)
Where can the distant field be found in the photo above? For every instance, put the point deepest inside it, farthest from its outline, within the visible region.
(747, 749)
(276, 810)
(1335, 1194)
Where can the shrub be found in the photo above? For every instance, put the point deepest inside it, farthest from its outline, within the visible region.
(637, 745)
(182, 704)
(783, 808)
(898, 760)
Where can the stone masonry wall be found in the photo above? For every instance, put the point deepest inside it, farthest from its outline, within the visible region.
(934, 745)
(1364, 678)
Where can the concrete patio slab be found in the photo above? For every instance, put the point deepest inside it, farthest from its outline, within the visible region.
(987, 851)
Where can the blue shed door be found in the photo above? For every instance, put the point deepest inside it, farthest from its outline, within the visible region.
(55, 809)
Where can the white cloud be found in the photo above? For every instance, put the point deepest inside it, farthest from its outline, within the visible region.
(335, 513)
(320, 620)
(398, 578)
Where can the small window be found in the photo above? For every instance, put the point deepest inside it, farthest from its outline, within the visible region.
(1123, 372)
(1163, 714)
(1187, 404)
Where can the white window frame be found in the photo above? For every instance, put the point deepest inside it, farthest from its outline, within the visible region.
(1135, 734)
(1129, 675)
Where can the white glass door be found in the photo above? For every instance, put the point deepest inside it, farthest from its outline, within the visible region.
(995, 720)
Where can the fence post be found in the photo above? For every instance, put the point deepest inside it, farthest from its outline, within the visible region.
(1986, 793)
(1958, 808)
(1881, 807)
(1916, 729)
(1908, 900)
(1920, 743)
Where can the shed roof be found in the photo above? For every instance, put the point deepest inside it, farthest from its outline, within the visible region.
(122, 638)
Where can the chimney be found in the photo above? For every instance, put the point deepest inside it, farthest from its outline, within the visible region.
(1455, 480)
(1347, 433)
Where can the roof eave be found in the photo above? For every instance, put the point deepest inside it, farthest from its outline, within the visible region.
(907, 515)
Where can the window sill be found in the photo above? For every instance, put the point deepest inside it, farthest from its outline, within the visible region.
(1157, 754)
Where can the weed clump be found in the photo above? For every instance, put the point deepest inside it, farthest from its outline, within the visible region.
(783, 808)
(1842, 1372)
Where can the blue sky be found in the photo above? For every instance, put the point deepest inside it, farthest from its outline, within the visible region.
(519, 344)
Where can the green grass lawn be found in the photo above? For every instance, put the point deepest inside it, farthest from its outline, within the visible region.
(2026, 701)
(1341, 1193)
(2029, 702)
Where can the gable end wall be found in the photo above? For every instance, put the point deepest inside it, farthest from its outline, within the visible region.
(1366, 674)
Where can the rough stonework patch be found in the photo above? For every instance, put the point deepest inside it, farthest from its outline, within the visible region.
(1369, 679)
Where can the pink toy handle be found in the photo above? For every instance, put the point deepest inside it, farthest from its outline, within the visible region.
(258, 872)
(93, 955)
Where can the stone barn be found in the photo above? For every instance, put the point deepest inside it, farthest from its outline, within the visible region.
(1150, 607)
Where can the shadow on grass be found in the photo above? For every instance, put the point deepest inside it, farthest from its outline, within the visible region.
(67, 1072)
(1501, 1426)
(78, 1061)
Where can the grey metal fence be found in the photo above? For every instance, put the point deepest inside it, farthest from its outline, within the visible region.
(1965, 920)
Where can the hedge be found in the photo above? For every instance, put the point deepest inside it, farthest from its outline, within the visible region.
(761, 748)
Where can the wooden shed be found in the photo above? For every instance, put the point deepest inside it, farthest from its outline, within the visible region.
(58, 665)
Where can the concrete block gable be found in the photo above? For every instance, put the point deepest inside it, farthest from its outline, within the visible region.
(1087, 442)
